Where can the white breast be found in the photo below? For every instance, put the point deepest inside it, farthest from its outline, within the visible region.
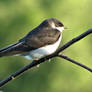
(43, 51)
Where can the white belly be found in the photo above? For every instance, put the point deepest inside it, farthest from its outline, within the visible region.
(43, 51)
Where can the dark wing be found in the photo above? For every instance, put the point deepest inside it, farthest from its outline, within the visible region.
(15, 49)
(35, 39)
(41, 37)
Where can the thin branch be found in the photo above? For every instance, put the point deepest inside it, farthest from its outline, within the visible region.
(76, 39)
(34, 63)
(75, 62)
(24, 69)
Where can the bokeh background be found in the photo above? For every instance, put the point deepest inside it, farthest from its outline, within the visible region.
(18, 17)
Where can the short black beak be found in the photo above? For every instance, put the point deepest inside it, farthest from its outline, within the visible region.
(65, 28)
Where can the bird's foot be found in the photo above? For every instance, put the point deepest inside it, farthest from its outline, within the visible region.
(35, 60)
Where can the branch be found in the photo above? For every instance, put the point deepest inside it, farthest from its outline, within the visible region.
(34, 63)
(75, 62)
(89, 31)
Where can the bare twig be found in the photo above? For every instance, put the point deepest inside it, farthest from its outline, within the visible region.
(31, 65)
(75, 62)
(76, 39)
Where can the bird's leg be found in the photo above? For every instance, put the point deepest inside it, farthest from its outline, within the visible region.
(35, 60)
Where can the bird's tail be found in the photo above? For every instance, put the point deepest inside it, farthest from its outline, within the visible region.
(11, 50)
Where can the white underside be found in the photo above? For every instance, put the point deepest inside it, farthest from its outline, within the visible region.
(43, 51)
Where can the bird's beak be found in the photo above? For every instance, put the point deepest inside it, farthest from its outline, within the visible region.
(65, 28)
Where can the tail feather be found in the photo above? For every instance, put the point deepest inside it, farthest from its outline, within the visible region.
(14, 49)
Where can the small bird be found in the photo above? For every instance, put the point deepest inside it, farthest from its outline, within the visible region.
(39, 42)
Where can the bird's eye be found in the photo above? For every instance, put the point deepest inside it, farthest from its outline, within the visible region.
(60, 24)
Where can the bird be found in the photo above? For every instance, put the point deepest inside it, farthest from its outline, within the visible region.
(41, 41)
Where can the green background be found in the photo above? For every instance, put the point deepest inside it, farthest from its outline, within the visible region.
(18, 17)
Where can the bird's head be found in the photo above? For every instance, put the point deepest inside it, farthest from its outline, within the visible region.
(53, 23)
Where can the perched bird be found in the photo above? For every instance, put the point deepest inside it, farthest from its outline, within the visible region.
(41, 41)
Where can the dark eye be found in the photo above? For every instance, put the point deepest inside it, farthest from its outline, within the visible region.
(60, 24)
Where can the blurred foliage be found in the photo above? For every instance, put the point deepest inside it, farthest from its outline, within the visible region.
(18, 17)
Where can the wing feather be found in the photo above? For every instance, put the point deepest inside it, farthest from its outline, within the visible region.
(41, 37)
